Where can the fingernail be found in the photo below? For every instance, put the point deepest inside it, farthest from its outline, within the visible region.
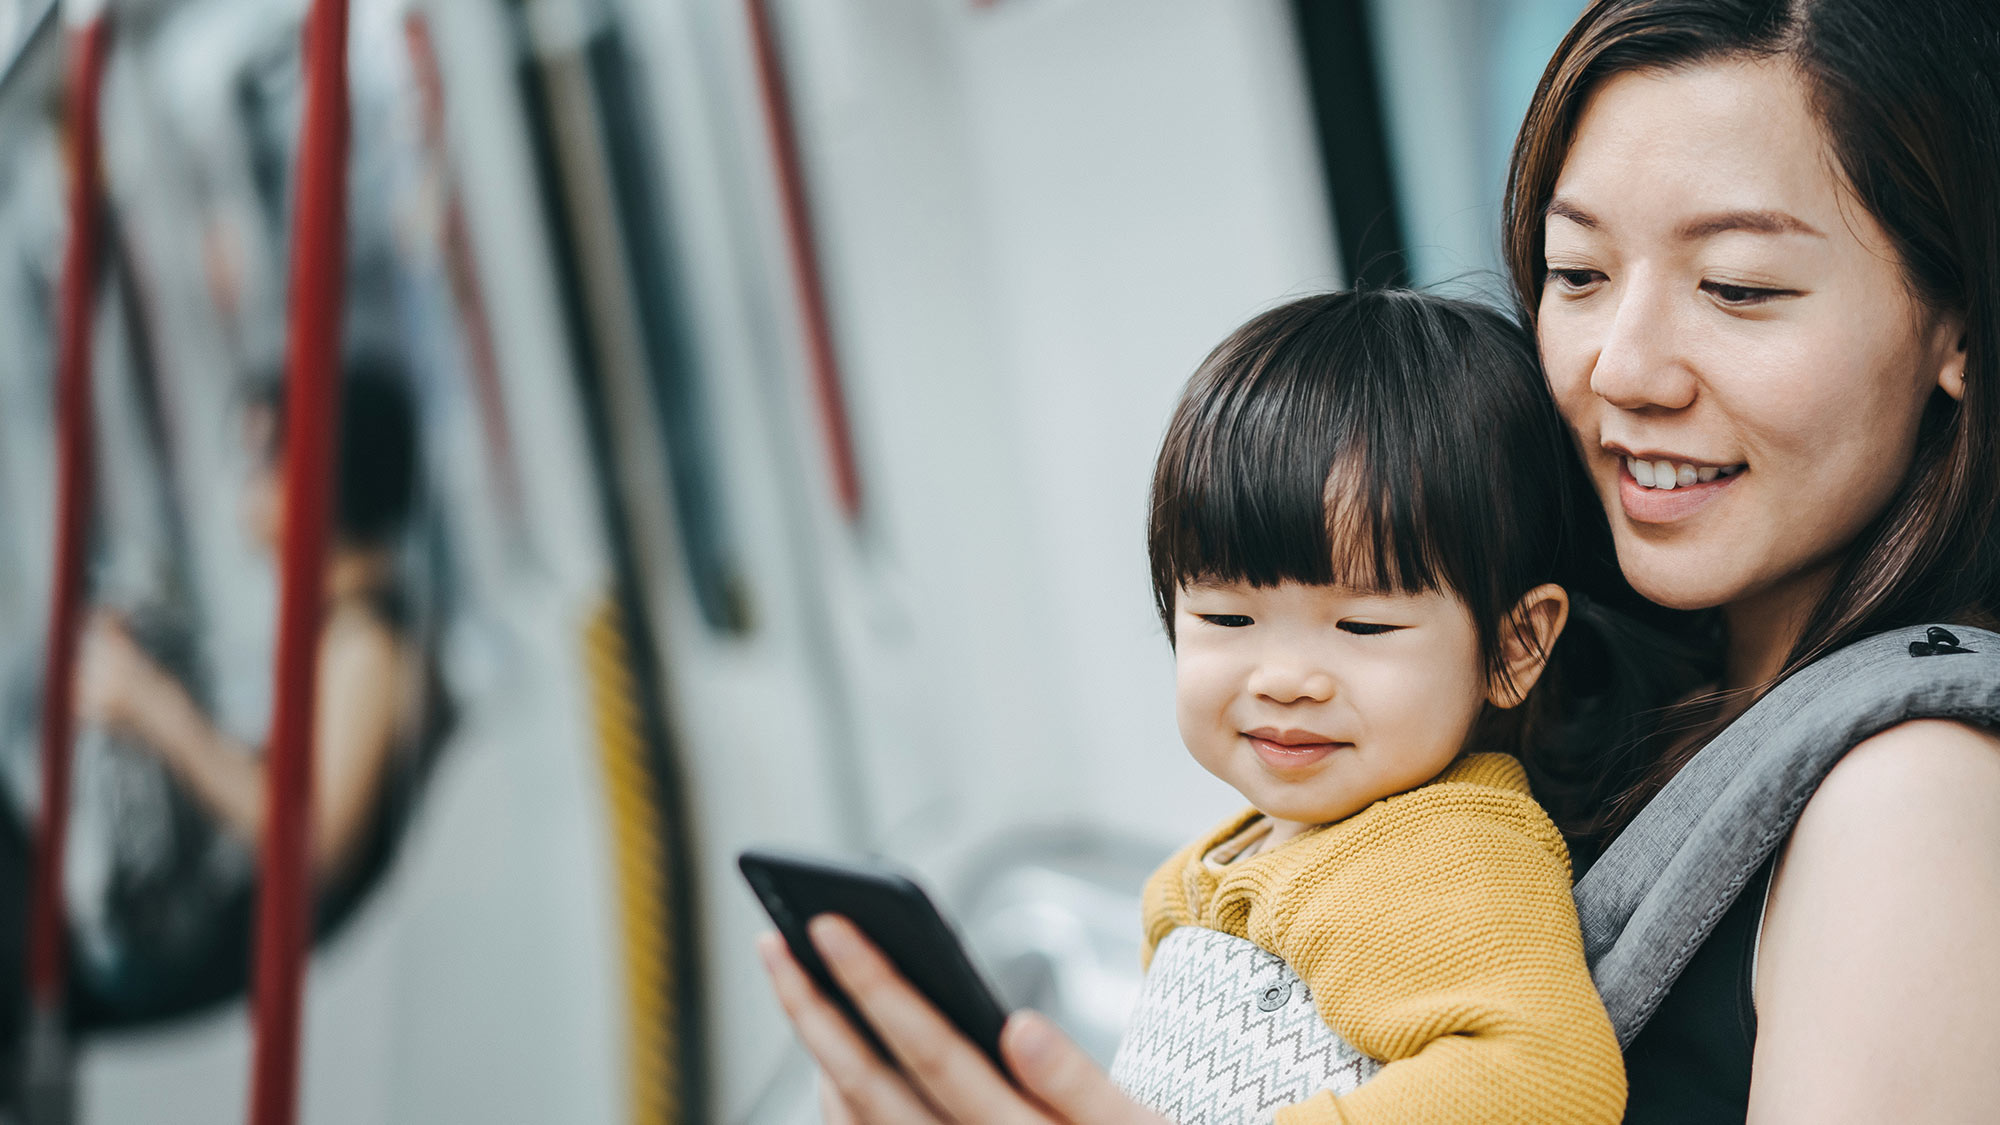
(1029, 1037)
(830, 935)
(770, 949)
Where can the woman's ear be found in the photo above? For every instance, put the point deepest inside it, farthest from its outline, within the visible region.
(1527, 636)
(1951, 373)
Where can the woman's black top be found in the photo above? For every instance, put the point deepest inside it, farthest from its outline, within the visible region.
(1691, 1063)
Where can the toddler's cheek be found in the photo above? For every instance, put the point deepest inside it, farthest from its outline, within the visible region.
(1188, 718)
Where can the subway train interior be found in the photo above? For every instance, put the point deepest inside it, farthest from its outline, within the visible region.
(770, 389)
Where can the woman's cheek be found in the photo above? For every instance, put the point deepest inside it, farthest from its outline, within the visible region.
(1564, 365)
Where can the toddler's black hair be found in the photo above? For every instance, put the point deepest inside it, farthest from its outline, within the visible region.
(1390, 439)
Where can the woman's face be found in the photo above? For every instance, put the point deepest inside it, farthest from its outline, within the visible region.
(262, 506)
(1729, 335)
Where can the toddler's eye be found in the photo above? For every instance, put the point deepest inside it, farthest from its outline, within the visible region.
(1226, 620)
(1367, 628)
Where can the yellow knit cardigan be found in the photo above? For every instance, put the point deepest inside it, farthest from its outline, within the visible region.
(1437, 933)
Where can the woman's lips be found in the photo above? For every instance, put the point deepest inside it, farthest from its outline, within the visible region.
(1290, 755)
(1660, 505)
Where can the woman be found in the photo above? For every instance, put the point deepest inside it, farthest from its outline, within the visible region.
(373, 678)
(1758, 242)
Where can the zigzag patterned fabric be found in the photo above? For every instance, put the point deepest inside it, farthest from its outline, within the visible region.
(1226, 1033)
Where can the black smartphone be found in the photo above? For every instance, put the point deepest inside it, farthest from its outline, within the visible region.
(897, 916)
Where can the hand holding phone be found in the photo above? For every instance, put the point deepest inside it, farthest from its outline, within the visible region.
(896, 916)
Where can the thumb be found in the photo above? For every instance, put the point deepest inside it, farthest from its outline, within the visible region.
(1054, 1069)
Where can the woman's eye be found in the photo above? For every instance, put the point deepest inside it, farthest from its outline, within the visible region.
(1741, 294)
(1226, 620)
(1367, 628)
(1574, 279)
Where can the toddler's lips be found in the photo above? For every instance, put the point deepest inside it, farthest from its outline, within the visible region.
(1292, 755)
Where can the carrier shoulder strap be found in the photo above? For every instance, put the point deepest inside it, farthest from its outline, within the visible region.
(1659, 889)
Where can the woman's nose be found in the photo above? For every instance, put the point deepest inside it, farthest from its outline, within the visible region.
(1638, 365)
(1292, 683)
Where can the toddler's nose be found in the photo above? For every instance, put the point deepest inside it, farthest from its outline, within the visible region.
(1292, 683)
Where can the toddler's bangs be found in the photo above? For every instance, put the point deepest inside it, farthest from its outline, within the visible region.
(1270, 514)
(1289, 461)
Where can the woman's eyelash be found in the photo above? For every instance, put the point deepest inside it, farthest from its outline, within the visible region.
(1226, 620)
(1742, 294)
(1367, 628)
(1728, 294)
(1573, 278)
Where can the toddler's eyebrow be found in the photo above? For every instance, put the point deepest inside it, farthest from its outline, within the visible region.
(1209, 582)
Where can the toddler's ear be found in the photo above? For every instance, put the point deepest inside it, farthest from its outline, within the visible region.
(1527, 634)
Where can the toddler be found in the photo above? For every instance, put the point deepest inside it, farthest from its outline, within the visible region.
(1361, 517)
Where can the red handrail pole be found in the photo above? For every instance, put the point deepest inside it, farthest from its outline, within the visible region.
(808, 284)
(312, 402)
(461, 270)
(46, 952)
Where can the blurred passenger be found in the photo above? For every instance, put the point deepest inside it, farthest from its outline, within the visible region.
(377, 693)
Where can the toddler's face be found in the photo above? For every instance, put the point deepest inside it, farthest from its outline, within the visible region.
(1314, 701)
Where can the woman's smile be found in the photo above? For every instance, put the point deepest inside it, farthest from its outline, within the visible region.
(1665, 490)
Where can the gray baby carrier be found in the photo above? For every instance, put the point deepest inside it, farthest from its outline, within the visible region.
(1658, 891)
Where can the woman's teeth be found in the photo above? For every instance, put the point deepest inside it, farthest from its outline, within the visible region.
(1670, 475)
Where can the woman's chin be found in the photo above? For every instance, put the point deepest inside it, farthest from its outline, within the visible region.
(1674, 580)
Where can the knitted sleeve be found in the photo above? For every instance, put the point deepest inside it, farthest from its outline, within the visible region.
(1164, 902)
(1462, 971)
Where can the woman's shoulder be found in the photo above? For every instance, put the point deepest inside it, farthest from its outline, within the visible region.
(1915, 794)
(361, 653)
(1928, 745)
(1876, 953)
(1938, 750)
(1905, 826)
(1907, 775)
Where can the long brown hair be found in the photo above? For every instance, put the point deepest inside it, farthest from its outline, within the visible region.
(1908, 93)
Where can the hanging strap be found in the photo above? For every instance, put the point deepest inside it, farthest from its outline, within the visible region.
(1658, 891)
(312, 411)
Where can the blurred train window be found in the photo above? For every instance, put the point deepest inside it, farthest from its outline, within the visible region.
(1456, 76)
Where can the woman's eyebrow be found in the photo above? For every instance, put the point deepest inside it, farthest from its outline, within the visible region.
(1562, 208)
(1755, 222)
(1701, 226)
